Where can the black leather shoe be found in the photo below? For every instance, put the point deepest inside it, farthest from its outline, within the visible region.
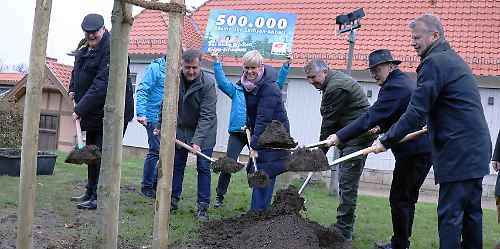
(82, 198)
(90, 205)
(148, 192)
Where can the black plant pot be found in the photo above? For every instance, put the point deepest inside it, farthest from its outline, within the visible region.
(10, 162)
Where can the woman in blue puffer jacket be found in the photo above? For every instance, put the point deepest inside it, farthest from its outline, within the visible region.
(237, 138)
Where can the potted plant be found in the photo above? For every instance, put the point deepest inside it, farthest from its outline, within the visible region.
(11, 129)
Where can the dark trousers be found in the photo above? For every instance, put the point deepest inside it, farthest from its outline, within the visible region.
(235, 144)
(204, 174)
(150, 171)
(408, 176)
(93, 138)
(460, 223)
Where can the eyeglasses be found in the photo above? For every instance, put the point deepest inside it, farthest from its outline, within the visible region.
(94, 33)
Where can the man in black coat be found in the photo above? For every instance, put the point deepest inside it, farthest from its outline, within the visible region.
(448, 97)
(495, 163)
(413, 158)
(88, 87)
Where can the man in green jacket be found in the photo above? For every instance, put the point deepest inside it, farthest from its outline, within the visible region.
(343, 102)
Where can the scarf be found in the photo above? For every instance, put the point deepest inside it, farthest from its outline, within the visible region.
(249, 85)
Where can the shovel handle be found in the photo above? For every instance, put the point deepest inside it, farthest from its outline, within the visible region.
(187, 147)
(79, 137)
(249, 138)
(365, 152)
(316, 144)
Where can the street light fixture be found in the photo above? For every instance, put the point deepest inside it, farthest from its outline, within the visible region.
(350, 21)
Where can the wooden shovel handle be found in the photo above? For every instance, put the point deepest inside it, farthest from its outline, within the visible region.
(79, 137)
(187, 147)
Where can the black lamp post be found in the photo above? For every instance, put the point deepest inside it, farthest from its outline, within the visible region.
(350, 23)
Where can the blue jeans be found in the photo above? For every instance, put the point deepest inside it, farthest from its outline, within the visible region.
(262, 197)
(204, 174)
(235, 144)
(460, 217)
(150, 171)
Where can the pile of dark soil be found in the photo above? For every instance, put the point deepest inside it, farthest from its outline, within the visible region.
(89, 154)
(279, 227)
(276, 136)
(306, 160)
(226, 165)
(259, 179)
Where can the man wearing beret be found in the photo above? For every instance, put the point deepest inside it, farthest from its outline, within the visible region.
(413, 158)
(88, 86)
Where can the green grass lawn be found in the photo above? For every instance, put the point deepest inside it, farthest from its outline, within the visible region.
(373, 222)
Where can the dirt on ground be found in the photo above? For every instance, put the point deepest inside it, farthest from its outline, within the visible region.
(281, 226)
(89, 154)
(226, 165)
(306, 160)
(276, 136)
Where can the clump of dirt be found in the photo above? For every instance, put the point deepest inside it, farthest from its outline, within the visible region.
(89, 154)
(226, 165)
(306, 160)
(279, 227)
(276, 136)
(259, 179)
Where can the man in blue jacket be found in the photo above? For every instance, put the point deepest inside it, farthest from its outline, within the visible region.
(149, 98)
(88, 87)
(237, 137)
(413, 158)
(448, 97)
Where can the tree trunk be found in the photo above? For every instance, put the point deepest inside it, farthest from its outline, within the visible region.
(29, 150)
(168, 128)
(113, 123)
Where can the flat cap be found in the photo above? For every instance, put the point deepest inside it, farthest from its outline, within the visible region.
(92, 22)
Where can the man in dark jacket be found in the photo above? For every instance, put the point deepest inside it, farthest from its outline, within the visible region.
(343, 102)
(413, 158)
(495, 163)
(197, 126)
(448, 97)
(88, 87)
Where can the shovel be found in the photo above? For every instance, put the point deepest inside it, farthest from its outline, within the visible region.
(89, 154)
(259, 178)
(224, 164)
(364, 151)
(309, 146)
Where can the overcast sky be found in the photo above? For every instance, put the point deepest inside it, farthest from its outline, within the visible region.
(16, 23)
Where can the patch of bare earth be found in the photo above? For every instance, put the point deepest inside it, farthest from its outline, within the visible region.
(281, 226)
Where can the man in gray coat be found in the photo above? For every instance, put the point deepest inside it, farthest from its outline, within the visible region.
(197, 126)
(448, 97)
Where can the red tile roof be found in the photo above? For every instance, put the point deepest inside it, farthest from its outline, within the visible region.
(471, 26)
(149, 33)
(11, 78)
(61, 71)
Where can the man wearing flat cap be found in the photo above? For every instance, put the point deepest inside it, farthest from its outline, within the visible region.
(413, 157)
(88, 86)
